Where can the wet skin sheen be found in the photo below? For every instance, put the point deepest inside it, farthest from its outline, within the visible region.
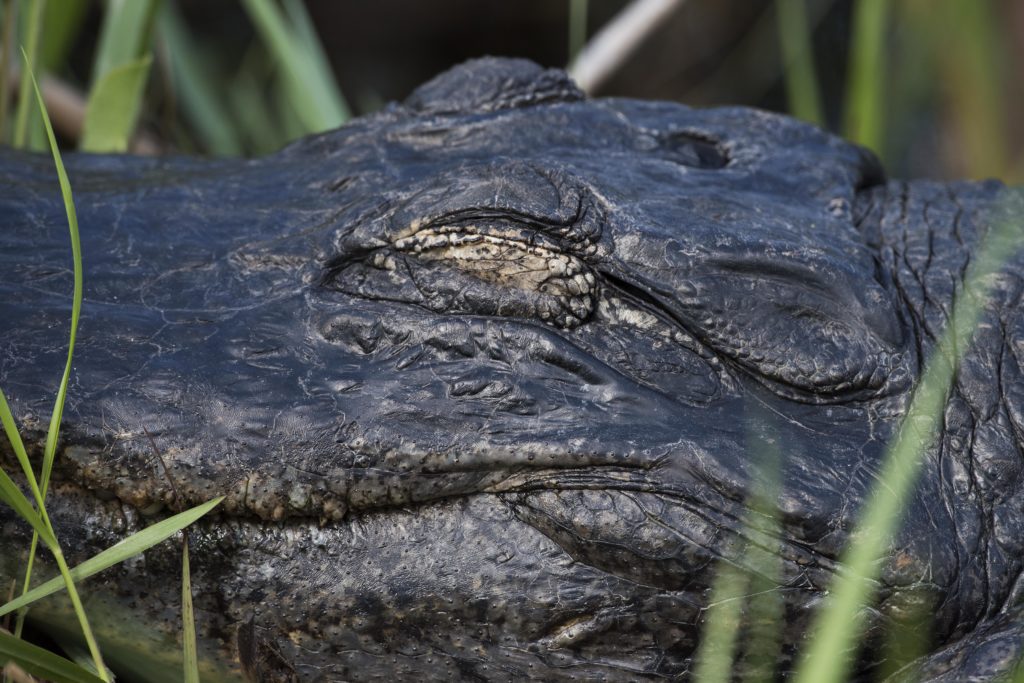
(488, 377)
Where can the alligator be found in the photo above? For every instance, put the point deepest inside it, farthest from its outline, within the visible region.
(487, 379)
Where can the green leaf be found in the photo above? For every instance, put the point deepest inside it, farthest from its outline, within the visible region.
(58, 555)
(114, 107)
(124, 36)
(42, 663)
(188, 622)
(62, 22)
(865, 86)
(119, 552)
(12, 495)
(315, 94)
(200, 94)
(33, 27)
(798, 61)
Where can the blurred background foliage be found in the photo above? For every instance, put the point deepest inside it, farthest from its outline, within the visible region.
(933, 86)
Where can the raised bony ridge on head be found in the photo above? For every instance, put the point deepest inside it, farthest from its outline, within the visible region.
(491, 84)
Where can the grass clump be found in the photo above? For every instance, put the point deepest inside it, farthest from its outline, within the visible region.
(28, 657)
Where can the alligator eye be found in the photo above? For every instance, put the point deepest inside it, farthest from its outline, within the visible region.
(486, 269)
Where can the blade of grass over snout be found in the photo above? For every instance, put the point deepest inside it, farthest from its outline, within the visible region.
(33, 27)
(114, 106)
(188, 622)
(752, 581)
(865, 85)
(195, 88)
(315, 95)
(721, 630)
(43, 663)
(47, 535)
(798, 61)
(117, 553)
(828, 656)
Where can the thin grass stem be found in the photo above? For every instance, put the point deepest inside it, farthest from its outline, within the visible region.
(827, 659)
(32, 31)
(866, 76)
(798, 61)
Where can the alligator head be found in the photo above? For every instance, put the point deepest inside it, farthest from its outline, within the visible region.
(487, 379)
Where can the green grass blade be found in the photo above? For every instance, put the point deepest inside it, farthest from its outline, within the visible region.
(50, 539)
(798, 61)
(62, 21)
(43, 663)
(245, 97)
(866, 75)
(315, 99)
(714, 657)
(975, 86)
(125, 34)
(199, 95)
(33, 27)
(188, 621)
(10, 22)
(577, 27)
(113, 107)
(12, 495)
(309, 39)
(827, 658)
(119, 552)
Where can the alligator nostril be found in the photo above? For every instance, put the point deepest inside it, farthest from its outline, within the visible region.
(688, 148)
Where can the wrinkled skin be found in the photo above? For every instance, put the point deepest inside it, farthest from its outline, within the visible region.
(487, 380)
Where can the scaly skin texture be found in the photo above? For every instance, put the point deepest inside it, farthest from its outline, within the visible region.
(488, 377)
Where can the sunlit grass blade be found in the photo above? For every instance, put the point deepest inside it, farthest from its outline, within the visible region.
(33, 27)
(798, 61)
(865, 87)
(746, 601)
(316, 99)
(43, 663)
(309, 40)
(53, 429)
(119, 552)
(47, 534)
(188, 621)
(827, 657)
(124, 36)
(763, 556)
(114, 107)
(200, 97)
(577, 27)
(714, 657)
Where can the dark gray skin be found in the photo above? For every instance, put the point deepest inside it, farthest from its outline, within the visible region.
(488, 378)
